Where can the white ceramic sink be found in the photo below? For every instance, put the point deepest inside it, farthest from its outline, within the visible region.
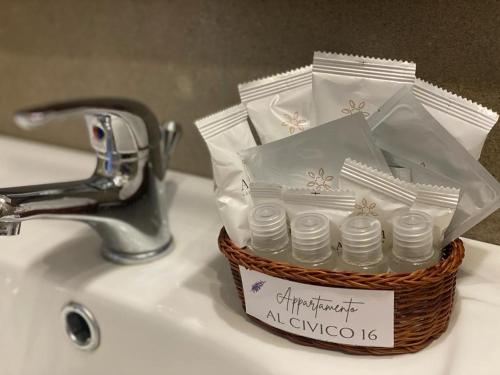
(181, 314)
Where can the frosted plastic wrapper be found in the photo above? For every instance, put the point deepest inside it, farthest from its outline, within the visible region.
(467, 121)
(412, 172)
(279, 105)
(348, 84)
(226, 133)
(313, 159)
(404, 127)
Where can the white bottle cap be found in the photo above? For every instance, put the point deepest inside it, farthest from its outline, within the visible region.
(361, 240)
(412, 236)
(268, 229)
(311, 237)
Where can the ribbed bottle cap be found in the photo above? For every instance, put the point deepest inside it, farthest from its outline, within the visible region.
(268, 229)
(311, 237)
(412, 236)
(361, 240)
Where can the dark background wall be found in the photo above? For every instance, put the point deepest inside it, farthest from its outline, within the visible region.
(185, 58)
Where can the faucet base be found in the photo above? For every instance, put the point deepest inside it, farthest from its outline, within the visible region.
(138, 258)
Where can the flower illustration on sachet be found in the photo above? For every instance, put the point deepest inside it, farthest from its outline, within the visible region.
(319, 181)
(294, 122)
(365, 208)
(353, 108)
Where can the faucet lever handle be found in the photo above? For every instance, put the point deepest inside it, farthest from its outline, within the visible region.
(116, 126)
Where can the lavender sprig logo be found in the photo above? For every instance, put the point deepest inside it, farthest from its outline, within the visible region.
(257, 286)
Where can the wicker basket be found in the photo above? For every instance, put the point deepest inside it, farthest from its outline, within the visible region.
(423, 299)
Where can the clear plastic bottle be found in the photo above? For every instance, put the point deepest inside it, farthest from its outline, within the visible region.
(412, 247)
(361, 238)
(311, 244)
(268, 231)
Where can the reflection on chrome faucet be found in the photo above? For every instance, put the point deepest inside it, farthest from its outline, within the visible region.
(124, 200)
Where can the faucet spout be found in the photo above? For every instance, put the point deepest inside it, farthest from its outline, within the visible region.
(22, 203)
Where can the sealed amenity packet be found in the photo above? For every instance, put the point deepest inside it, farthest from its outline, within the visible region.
(404, 127)
(313, 159)
(347, 84)
(440, 203)
(226, 133)
(264, 192)
(467, 121)
(279, 105)
(378, 194)
(412, 172)
(337, 205)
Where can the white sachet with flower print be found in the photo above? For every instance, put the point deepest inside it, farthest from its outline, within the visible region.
(264, 192)
(440, 203)
(336, 205)
(279, 105)
(378, 194)
(313, 159)
(226, 133)
(348, 84)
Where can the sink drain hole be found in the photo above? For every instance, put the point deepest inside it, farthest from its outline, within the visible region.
(78, 328)
(81, 326)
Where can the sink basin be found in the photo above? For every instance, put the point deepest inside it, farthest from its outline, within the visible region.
(181, 314)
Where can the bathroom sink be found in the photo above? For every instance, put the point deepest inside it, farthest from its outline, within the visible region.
(181, 314)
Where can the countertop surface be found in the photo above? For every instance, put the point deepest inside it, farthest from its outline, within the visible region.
(193, 287)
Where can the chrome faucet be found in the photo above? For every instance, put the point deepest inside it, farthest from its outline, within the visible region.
(125, 198)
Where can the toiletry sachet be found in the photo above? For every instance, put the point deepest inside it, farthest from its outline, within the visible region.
(467, 121)
(279, 105)
(440, 203)
(409, 171)
(347, 84)
(337, 205)
(265, 192)
(404, 127)
(226, 133)
(378, 194)
(313, 159)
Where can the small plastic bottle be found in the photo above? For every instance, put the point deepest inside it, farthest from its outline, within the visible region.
(268, 230)
(361, 238)
(412, 247)
(311, 244)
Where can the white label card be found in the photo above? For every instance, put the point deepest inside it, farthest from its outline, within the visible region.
(345, 316)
